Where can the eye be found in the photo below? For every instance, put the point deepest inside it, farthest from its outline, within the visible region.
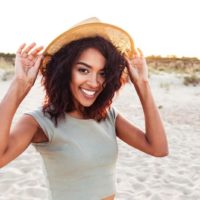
(102, 73)
(83, 70)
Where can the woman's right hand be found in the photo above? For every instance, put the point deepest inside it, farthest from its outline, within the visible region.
(27, 63)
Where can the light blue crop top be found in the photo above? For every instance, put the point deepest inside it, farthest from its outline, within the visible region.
(80, 157)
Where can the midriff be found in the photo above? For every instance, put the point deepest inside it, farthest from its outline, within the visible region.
(112, 197)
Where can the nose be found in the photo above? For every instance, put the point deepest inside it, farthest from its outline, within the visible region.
(94, 81)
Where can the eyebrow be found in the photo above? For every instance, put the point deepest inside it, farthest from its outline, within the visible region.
(85, 64)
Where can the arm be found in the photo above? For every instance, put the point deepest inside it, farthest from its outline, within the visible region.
(13, 142)
(153, 141)
(19, 138)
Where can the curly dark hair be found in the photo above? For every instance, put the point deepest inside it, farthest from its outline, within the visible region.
(57, 76)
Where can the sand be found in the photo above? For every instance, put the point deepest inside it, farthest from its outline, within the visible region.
(139, 176)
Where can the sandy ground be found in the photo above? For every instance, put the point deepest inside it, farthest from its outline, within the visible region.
(139, 176)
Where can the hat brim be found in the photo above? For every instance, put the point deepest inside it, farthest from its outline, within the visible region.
(120, 38)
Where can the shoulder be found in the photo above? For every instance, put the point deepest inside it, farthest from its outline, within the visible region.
(36, 113)
(43, 121)
(39, 116)
(112, 114)
(28, 121)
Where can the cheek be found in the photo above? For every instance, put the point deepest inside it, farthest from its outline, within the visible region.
(76, 79)
(102, 82)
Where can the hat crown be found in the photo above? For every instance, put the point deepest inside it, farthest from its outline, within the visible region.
(87, 21)
(92, 27)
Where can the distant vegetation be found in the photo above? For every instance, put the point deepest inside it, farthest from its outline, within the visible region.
(6, 66)
(7, 60)
(174, 64)
(7, 56)
(189, 66)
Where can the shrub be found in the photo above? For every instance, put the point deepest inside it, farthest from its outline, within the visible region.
(193, 79)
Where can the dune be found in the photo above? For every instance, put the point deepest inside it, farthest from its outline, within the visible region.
(139, 176)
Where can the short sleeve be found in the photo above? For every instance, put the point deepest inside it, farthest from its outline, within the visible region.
(113, 112)
(44, 122)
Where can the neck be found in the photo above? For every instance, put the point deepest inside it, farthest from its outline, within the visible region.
(76, 114)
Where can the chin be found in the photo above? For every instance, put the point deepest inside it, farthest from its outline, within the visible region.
(87, 105)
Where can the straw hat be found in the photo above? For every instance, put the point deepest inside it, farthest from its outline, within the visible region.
(93, 27)
(88, 28)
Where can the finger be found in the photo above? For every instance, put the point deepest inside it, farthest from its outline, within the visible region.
(30, 62)
(37, 50)
(130, 63)
(127, 59)
(27, 49)
(21, 48)
(38, 61)
(140, 52)
(34, 53)
(136, 52)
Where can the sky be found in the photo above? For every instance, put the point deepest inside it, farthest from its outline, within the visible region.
(158, 27)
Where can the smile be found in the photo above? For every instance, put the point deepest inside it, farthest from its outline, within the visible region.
(88, 93)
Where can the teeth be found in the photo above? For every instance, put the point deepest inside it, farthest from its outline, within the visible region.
(88, 92)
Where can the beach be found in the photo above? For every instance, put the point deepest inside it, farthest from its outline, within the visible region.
(139, 176)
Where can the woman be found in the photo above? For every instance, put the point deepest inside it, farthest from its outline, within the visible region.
(76, 128)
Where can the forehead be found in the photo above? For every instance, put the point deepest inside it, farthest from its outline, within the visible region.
(92, 57)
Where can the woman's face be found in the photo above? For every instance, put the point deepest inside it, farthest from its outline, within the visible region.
(88, 77)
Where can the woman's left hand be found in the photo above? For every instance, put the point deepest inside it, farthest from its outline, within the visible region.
(137, 68)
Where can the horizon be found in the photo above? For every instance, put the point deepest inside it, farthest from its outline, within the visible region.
(167, 28)
(3, 54)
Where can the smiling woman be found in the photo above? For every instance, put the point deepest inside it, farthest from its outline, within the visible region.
(76, 128)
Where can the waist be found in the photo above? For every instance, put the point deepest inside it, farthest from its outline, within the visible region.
(112, 197)
(94, 187)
